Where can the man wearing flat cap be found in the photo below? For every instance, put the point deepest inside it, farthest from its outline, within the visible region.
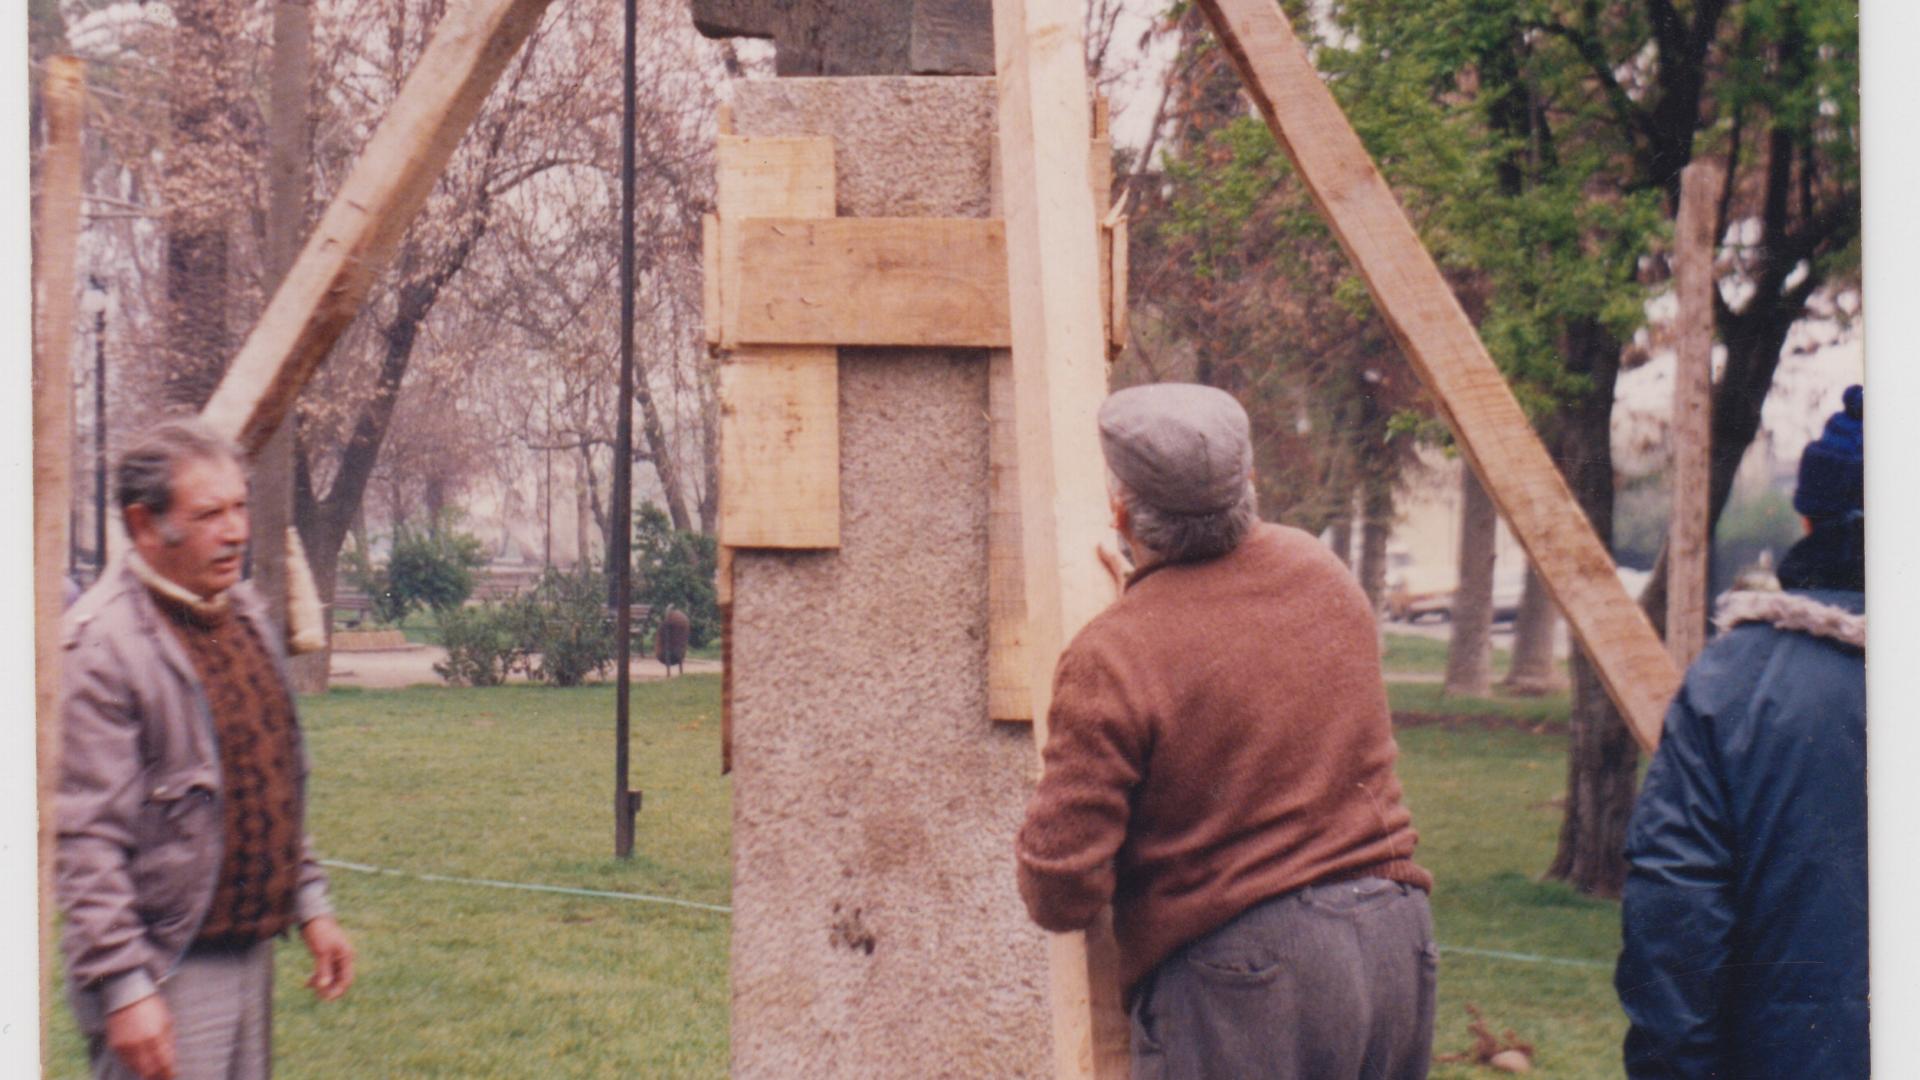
(1220, 769)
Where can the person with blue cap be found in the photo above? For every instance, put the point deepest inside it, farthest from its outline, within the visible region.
(1744, 916)
(1220, 770)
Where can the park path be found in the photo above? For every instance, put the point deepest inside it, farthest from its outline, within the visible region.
(390, 669)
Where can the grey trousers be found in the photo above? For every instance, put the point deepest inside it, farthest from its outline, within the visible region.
(1330, 982)
(222, 1005)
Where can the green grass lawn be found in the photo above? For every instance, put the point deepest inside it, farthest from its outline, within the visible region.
(512, 785)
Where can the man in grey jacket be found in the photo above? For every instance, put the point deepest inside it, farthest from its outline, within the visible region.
(181, 852)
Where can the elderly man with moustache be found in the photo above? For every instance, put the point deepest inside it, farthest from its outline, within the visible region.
(181, 851)
(1220, 768)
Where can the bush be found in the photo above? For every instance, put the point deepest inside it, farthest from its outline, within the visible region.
(432, 569)
(484, 643)
(564, 620)
(672, 568)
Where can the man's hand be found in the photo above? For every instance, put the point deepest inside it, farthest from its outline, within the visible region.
(332, 957)
(141, 1034)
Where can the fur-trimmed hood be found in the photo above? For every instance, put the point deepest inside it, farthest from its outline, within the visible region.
(1795, 612)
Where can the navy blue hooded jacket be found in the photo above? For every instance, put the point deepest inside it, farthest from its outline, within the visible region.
(1744, 916)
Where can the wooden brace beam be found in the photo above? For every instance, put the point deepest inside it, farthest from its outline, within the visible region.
(1449, 357)
(1059, 378)
(55, 243)
(361, 228)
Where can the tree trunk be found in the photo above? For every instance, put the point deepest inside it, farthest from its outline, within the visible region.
(1470, 646)
(1600, 789)
(582, 509)
(203, 168)
(287, 155)
(1603, 757)
(1341, 485)
(1374, 529)
(1531, 669)
(661, 455)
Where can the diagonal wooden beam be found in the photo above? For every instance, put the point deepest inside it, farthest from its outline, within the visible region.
(1449, 357)
(361, 228)
(1059, 380)
(55, 240)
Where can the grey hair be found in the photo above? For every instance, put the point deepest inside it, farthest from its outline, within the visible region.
(144, 474)
(1178, 538)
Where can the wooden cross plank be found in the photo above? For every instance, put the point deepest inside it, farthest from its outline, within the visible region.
(1449, 357)
(779, 405)
(871, 281)
(1059, 380)
(916, 282)
(1688, 541)
(363, 225)
(56, 235)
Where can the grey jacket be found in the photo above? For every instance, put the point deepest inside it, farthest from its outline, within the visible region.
(141, 830)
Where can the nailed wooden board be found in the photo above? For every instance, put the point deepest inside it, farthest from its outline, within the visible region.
(1009, 674)
(779, 405)
(871, 281)
(361, 228)
(1688, 544)
(56, 232)
(1447, 353)
(1059, 380)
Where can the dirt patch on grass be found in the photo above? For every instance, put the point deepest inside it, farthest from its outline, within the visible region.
(1526, 725)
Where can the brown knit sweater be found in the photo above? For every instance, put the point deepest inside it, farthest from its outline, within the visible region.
(1218, 736)
(259, 762)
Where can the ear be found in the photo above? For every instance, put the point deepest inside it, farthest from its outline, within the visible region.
(1118, 507)
(139, 520)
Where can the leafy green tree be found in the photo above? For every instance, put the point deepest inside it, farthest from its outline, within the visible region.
(675, 568)
(1537, 145)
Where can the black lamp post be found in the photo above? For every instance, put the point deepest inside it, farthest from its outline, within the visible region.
(96, 301)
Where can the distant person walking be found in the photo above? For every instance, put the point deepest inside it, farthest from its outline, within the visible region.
(182, 851)
(1744, 919)
(670, 641)
(1220, 768)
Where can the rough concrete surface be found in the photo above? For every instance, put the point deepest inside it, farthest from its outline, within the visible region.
(876, 928)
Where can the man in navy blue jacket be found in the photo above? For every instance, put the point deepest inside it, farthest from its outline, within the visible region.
(1745, 909)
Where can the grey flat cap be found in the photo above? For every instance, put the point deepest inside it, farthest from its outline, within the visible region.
(1181, 447)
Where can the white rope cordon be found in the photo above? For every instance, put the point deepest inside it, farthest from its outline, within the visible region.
(1492, 954)
(601, 894)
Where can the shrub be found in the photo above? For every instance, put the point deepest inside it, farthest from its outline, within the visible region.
(564, 620)
(434, 569)
(484, 643)
(673, 568)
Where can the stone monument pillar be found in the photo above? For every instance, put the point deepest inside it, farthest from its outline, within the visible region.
(877, 930)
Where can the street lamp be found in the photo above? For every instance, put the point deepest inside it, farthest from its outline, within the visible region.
(95, 301)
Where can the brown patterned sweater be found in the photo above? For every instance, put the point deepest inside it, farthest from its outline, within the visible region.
(1218, 736)
(259, 765)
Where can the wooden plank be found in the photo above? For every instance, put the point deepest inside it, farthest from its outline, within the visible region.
(1059, 380)
(933, 282)
(56, 235)
(779, 405)
(1009, 687)
(361, 228)
(710, 277)
(1447, 354)
(1116, 291)
(1688, 544)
